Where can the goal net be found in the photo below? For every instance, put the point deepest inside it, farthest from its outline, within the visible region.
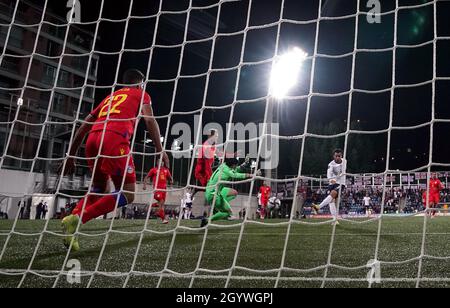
(369, 78)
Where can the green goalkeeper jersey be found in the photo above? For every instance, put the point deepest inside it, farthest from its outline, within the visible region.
(223, 173)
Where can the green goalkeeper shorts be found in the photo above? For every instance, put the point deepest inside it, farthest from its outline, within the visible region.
(220, 205)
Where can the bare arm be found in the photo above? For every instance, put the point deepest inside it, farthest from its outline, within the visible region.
(76, 143)
(154, 131)
(81, 134)
(170, 177)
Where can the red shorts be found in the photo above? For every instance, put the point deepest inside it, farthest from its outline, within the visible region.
(118, 166)
(203, 175)
(435, 198)
(264, 202)
(160, 196)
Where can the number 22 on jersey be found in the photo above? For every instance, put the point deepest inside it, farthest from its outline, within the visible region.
(116, 101)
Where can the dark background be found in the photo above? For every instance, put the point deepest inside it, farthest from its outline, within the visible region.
(409, 149)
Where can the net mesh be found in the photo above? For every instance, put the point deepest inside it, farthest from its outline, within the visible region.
(321, 274)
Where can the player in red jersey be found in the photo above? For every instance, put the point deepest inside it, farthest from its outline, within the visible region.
(265, 192)
(205, 160)
(433, 195)
(109, 128)
(159, 180)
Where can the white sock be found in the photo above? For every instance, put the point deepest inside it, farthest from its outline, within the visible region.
(333, 210)
(325, 202)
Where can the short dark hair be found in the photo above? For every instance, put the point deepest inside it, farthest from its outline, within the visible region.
(338, 151)
(213, 132)
(133, 77)
(232, 161)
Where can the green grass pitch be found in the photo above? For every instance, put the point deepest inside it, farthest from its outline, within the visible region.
(261, 248)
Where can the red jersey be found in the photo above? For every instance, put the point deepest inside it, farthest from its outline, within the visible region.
(435, 186)
(164, 176)
(265, 192)
(206, 155)
(123, 107)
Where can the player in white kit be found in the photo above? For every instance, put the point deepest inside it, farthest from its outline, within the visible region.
(337, 181)
(187, 204)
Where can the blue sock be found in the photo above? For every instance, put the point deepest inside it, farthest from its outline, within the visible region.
(122, 199)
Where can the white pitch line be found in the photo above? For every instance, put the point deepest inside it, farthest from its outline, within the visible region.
(52, 274)
(6, 232)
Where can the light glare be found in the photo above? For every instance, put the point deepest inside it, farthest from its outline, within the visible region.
(285, 72)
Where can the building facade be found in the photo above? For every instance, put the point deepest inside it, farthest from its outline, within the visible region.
(56, 79)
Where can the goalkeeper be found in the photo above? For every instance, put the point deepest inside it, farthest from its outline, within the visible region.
(222, 195)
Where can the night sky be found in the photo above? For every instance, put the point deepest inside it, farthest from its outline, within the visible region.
(373, 71)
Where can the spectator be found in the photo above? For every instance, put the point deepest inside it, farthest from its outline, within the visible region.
(4, 209)
(135, 212)
(44, 210)
(354, 200)
(39, 209)
(28, 212)
(21, 206)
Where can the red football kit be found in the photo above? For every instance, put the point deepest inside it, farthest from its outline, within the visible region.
(265, 195)
(160, 182)
(205, 161)
(110, 137)
(434, 192)
(116, 116)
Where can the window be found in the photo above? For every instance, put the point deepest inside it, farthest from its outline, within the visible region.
(59, 103)
(2, 142)
(57, 150)
(3, 31)
(10, 64)
(58, 32)
(64, 78)
(16, 37)
(49, 74)
(89, 92)
(93, 70)
(73, 107)
(53, 49)
(4, 94)
(45, 97)
(7, 8)
(80, 63)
